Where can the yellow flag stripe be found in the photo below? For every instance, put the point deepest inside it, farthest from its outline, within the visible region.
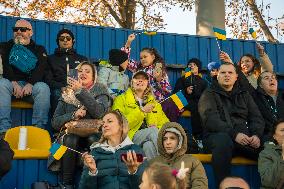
(220, 36)
(59, 153)
(177, 101)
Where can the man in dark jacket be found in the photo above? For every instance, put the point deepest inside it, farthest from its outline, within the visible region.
(270, 101)
(56, 74)
(24, 63)
(232, 122)
(6, 156)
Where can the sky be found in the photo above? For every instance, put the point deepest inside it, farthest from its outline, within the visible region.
(185, 24)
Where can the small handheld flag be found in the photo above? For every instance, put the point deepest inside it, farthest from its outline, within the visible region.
(187, 72)
(57, 150)
(150, 32)
(179, 100)
(252, 32)
(219, 33)
(147, 33)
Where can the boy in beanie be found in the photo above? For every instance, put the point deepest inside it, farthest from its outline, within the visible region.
(192, 85)
(57, 64)
(213, 69)
(112, 75)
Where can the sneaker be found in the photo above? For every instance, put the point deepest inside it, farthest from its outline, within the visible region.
(200, 145)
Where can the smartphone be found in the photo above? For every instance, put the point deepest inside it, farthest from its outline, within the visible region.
(158, 68)
(73, 73)
(139, 157)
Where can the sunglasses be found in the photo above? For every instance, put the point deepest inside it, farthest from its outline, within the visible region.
(22, 29)
(62, 38)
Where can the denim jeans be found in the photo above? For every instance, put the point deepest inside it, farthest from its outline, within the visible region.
(40, 98)
(147, 140)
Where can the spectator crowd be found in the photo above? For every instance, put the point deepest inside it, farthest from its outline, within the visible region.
(237, 109)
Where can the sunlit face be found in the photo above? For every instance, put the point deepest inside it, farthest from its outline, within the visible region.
(65, 41)
(170, 142)
(139, 83)
(146, 58)
(268, 82)
(124, 64)
(85, 74)
(214, 72)
(22, 32)
(146, 184)
(246, 64)
(111, 126)
(227, 76)
(193, 67)
(279, 133)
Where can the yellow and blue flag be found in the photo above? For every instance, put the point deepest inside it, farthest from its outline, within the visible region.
(57, 150)
(179, 99)
(187, 72)
(252, 32)
(219, 33)
(150, 32)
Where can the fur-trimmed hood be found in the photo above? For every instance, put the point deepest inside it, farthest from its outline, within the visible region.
(181, 151)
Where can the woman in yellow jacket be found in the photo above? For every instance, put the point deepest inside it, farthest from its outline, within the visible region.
(144, 114)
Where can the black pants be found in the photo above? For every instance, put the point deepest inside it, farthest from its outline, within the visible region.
(70, 158)
(197, 130)
(223, 148)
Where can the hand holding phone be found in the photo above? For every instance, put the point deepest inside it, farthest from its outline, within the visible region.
(132, 160)
(138, 156)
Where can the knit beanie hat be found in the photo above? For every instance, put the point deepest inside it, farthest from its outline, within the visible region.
(64, 31)
(117, 57)
(197, 62)
(213, 65)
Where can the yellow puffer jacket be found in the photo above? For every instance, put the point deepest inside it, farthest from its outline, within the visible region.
(127, 105)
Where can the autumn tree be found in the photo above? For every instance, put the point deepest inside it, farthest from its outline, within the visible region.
(131, 14)
(250, 14)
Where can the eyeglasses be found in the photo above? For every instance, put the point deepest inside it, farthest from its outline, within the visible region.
(22, 29)
(62, 38)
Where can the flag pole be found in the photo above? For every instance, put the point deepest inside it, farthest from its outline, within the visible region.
(74, 150)
(218, 44)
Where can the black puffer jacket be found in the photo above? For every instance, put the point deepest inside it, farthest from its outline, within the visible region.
(240, 106)
(199, 85)
(13, 74)
(55, 76)
(270, 111)
(6, 157)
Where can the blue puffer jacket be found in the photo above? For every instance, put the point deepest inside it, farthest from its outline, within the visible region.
(112, 172)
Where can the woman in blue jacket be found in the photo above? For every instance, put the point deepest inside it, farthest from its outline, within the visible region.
(115, 161)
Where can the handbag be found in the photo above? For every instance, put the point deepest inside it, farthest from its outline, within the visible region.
(22, 58)
(83, 127)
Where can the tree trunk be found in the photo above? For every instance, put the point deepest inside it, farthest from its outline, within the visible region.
(261, 22)
(209, 14)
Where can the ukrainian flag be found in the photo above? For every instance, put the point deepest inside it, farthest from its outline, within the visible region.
(252, 32)
(187, 72)
(179, 100)
(57, 150)
(219, 33)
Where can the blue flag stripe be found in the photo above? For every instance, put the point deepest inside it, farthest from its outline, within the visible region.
(182, 98)
(54, 148)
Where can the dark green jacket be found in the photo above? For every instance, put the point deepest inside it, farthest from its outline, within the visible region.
(112, 172)
(271, 166)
